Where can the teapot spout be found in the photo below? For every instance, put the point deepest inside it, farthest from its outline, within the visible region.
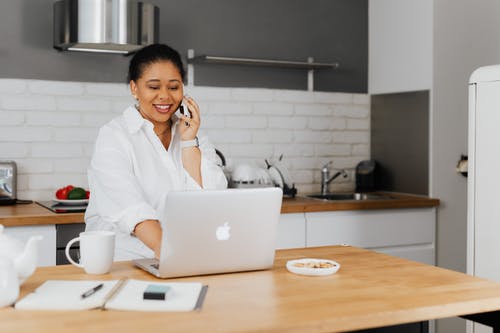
(26, 263)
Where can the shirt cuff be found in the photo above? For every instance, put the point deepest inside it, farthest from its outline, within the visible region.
(190, 183)
(133, 215)
(212, 176)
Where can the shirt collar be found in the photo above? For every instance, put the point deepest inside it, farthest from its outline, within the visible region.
(134, 120)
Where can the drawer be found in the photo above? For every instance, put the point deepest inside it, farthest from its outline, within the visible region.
(371, 228)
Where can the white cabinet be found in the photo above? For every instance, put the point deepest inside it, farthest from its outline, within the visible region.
(47, 246)
(400, 45)
(406, 233)
(291, 231)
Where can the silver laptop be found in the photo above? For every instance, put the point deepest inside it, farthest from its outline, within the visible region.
(217, 231)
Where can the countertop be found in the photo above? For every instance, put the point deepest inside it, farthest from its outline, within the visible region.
(370, 290)
(34, 214)
(303, 204)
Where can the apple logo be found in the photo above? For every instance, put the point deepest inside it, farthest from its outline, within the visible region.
(222, 232)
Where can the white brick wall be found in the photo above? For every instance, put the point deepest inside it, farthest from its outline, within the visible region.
(49, 127)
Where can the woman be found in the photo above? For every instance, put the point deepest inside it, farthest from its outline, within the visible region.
(146, 152)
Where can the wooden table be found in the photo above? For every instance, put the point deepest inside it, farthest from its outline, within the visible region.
(370, 290)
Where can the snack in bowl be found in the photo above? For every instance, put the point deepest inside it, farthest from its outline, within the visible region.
(315, 264)
(311, 266)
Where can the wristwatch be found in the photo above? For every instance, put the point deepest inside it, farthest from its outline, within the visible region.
(190, 143)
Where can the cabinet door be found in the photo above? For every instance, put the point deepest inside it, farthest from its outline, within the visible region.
(291, 231)
(46, 248)
(406, 233)
(400, 46)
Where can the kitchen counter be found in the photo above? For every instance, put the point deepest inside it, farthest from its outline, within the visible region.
(302, 204)
(34, 214)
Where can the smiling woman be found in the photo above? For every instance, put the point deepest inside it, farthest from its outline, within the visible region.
(156, 78)
(158, 92)
(145, 153)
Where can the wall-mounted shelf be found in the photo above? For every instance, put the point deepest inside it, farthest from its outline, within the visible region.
(308, 65)
(262, 62)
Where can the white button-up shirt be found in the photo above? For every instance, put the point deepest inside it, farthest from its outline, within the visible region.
(130, 174)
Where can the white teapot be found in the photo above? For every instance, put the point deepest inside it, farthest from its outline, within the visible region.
(23, 257)
(9, 282)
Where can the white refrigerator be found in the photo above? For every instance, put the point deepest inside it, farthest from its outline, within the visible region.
(483, 188)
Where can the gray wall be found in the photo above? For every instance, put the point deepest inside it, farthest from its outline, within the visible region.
(400, 141)
(328, 30)
(465, 37)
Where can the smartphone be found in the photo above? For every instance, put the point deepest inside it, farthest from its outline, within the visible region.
(183, 110)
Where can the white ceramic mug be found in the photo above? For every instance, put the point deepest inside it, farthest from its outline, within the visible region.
(97, 250)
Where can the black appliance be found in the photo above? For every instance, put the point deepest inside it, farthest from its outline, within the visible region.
(365, 176)
(65, 233)
(57, 207)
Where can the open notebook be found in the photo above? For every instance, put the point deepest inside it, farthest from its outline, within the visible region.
(114, 295)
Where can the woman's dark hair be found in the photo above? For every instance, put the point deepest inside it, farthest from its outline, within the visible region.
(151, 54)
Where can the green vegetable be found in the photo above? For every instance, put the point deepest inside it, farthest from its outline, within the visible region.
(77, 193)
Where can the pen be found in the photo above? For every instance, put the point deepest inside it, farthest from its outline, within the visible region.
(92, 291)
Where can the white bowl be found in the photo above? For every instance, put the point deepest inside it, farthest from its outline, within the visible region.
(74, 202)
(291, 265)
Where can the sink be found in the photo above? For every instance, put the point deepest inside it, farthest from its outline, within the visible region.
(349, 196)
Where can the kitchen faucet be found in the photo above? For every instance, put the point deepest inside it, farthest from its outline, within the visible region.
(325, 174)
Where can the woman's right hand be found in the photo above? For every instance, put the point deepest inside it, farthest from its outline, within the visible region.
(189, 126)
(149, 232)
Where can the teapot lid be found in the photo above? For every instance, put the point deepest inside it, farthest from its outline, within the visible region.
(9, 246)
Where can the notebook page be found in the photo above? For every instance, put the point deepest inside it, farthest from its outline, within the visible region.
(65, 295)
(182, 296)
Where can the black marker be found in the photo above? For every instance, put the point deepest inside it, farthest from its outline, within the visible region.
(92, 291)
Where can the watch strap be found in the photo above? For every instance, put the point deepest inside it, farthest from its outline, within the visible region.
(190, 143)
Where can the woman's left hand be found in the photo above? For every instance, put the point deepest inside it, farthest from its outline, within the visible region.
(189, 125)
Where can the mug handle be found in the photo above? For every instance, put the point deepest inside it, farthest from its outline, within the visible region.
(68, 256)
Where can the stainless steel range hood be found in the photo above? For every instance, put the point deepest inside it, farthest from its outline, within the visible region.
(107, 26)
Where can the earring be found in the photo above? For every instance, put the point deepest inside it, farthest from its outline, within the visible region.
(136, 104)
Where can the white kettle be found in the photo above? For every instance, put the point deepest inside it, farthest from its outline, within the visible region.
(22, 256)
